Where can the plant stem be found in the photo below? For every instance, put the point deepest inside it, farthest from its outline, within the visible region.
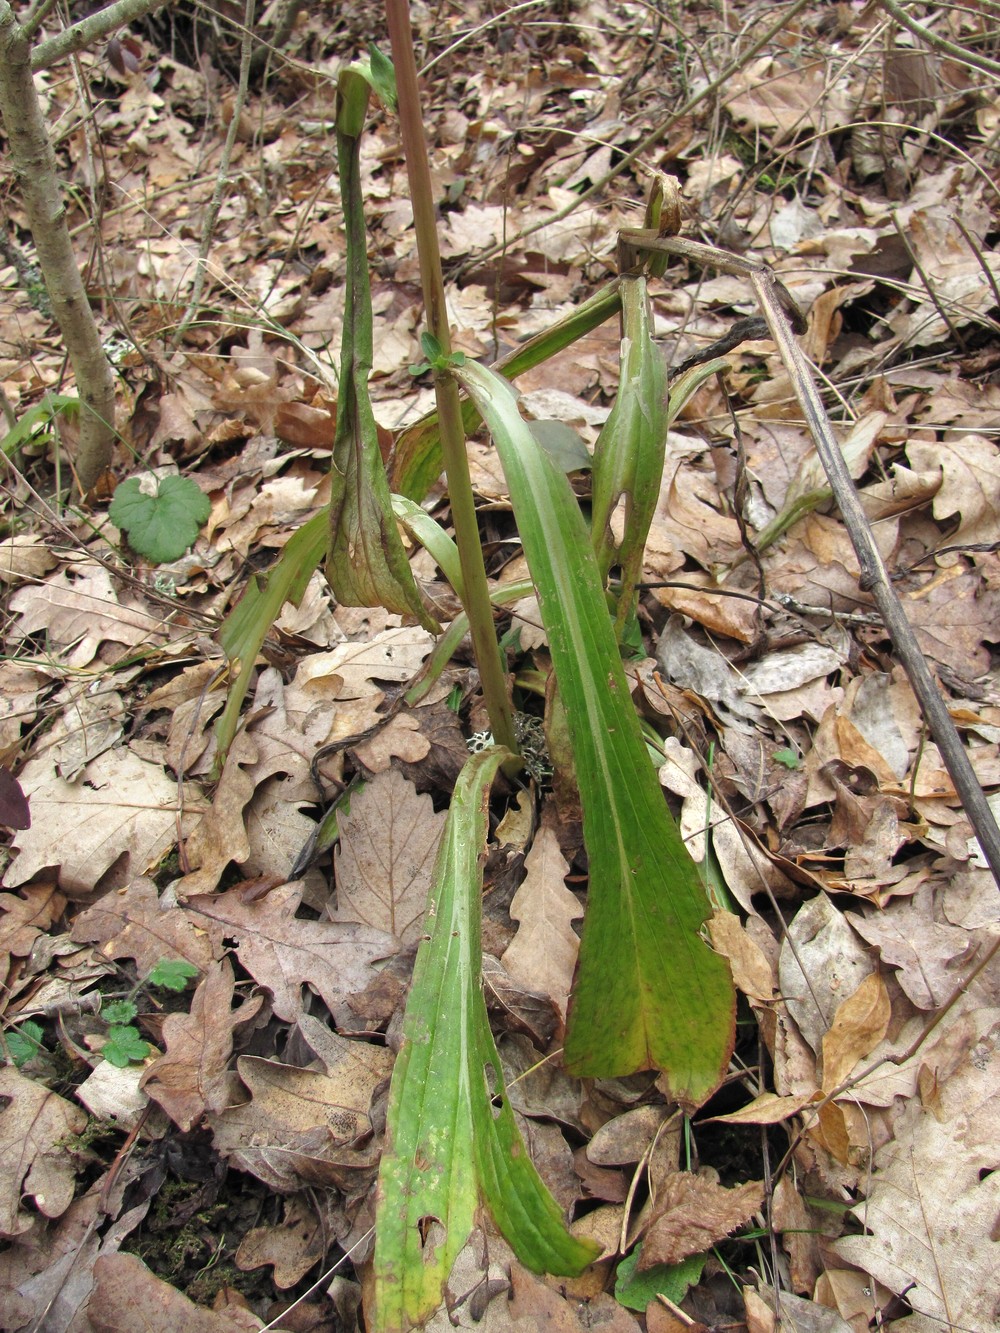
(222, 179)
(34, 169)
(456, 462)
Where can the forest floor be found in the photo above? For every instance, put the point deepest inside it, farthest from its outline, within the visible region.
(197, 1147)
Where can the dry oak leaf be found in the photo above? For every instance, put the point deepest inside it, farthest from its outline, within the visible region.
(293, 1247)
(192, 1078)
(350, 670)
(34, 1125)
(135, 922)
(25, 557)
(19, 690)
(934, 1196)
(47, 1274)
(128, 1297)
(860, 1023)
(121, 810)
(282, 953)
(300, 1126)
(543, 953)
(692, 1213)
(927, 953)
(385, 862)
(952, 615)
(26, 916)
(78, 610)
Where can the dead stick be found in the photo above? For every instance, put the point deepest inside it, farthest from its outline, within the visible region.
(874, 577)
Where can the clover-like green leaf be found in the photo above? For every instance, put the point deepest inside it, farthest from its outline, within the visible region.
(172, 974)
(160, 527)
(123, 1046)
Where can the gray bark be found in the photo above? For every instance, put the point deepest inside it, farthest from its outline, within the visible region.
(35, 171)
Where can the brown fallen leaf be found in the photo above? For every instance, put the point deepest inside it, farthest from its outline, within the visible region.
(220, 837)
(26, 915)
(134, 923)
(47, 1273)
(300, 1127)
(927, 953)
(127, 1297)
(283, 953)
(122, 810)
(536, 1305)
(191, 1078)
(34, 1162)
(78, 610)
(292, 1248)
(385, 860)
(544, 951)
(691, 1214)
(933, 1197)
(860, 1023)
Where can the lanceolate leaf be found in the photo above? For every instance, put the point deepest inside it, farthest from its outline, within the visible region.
(245, 628)
(649, 991)
(366, 562)
(452, 1139)
(628, 456)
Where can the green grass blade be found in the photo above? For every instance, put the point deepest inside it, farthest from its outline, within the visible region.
(244, 630)
(452, 1142)
(649, 991)
(433, 538)
(366, 563)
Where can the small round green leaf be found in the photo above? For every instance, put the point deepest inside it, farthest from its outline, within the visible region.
(163, 526)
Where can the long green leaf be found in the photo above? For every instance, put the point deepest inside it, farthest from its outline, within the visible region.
(416, 460)
(366, 563)
(628, 456)
(452, 1141)
(649, 991)
(245, 628)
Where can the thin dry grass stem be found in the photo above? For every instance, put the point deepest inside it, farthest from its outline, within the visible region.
(875, 578)
(650, 141)
(222, 180)
(938, 43)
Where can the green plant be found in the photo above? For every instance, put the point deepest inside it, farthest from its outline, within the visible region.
(25, 1042)
(123, 1042)
(37, 425)
(635, 1289)
(649, 992)
(160, 524)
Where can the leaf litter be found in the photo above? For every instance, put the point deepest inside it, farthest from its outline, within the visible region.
(214, 1181)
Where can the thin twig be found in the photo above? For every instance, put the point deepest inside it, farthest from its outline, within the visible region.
(875, 578)
(86, 32)
(222, 180)
(650, 141)
(991, 67)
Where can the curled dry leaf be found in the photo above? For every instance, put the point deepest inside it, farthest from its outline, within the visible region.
(192, 1077)
(691, 1214)
(34, 1125)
